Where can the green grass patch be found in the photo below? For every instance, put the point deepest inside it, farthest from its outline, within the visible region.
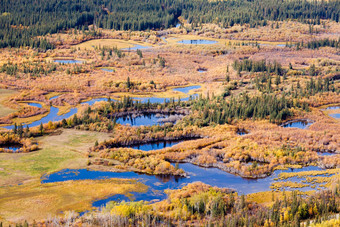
(4, 94)
(67, 150)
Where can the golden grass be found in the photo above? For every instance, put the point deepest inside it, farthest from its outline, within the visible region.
(289, 184)
(67, 150)
(37, 201)
(4, 94)
(108, 43)
(283, 176)
(267, 198)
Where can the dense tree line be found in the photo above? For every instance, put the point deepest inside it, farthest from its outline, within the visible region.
(258, 66)
(21, 20)
(315, 44)
(32, 68)
(220, 111)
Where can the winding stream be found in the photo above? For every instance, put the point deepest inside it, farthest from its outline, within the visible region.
(53, 114)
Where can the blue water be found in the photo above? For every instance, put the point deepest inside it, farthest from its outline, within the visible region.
(324, 154)
(197, 41)
(333, 108)
(337, 115)
(146, 120)
(156, 146)
(107, 70)
(13, 148)
(163, 38)
(298, 124)
(34, 104)
(65, 61)
(186, 90)
(136, 47)
(241, 132)
(157, 184)
(162, 100)
(52, 116)
(201, 70)
(270, 44)
(93, 101)
(54, 97)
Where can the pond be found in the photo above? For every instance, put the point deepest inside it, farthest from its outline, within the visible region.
(107, 70)
(34, 104)
(242, 132)
(324, 154)
(147, 119)
(157, 184)
(15, 148)
(68, 61)
(301, 124)
(197, 41)
(136, 47)
(156, 145)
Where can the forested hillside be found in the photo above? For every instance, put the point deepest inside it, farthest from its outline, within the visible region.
(21, 20)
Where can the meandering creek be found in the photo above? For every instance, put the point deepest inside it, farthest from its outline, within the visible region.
(138, 121)
(34, 104)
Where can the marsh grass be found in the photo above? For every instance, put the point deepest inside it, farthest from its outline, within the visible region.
(327, 172)
(120, 44)
(37, 201)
